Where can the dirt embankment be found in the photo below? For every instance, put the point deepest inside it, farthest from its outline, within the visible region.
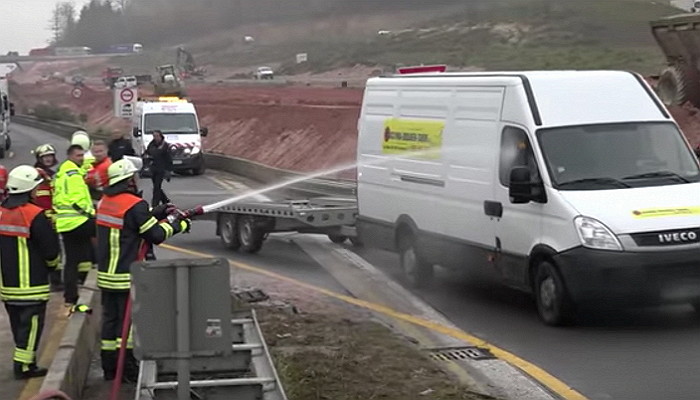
(302, 129)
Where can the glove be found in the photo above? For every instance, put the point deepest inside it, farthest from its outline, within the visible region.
(168, 175)
(185, 226)
(162, 211)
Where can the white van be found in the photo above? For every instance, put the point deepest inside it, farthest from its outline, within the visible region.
(177, 119)
(577, 186)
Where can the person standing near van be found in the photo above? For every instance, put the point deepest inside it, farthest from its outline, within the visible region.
(120, 147)
(161, 165)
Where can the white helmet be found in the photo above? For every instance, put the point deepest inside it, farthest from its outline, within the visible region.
(121, 170)
(137, 161)
(82, 139)
(23, 179)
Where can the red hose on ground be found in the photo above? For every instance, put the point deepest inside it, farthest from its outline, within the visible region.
(126, 326)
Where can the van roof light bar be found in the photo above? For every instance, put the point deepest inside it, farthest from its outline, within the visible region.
(422, 69)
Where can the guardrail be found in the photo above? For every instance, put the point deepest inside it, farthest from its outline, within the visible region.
(234, 165)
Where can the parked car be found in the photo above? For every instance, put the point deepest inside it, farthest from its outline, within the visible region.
(264, 73)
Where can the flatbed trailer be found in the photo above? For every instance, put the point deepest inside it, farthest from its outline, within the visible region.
(245, 226)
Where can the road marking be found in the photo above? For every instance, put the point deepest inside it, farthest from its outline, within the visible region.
(545, 378)
(238, 187)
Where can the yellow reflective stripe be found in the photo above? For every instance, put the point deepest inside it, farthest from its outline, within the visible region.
(113, 281)
(109, 345)
(23, 263)
(33, 334)
(33, 289)
(23, 356)
(169, 231)
(54, 262)
(148, 225)
(37, 297)
(85, 266)
(113, 250)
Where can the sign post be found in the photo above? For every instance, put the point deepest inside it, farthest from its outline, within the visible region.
(125, 102)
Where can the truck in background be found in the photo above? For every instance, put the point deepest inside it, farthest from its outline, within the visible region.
(128, 48)
(7, 110)
(177, 119)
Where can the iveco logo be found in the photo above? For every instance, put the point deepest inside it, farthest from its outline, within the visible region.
(678, 237)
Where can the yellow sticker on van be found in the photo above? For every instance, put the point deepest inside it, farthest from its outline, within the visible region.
(413, 138)
(666, 212)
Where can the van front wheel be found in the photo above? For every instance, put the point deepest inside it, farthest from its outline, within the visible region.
(416, 271)
(553, 303)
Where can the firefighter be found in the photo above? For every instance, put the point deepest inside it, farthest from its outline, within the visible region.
(124, 222)
(82, 139)
(74, 221)
(29, 248)
(45, 160)
(3, 182)
(97, 178)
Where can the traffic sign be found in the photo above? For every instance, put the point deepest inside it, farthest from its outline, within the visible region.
(76, 93)
(127, 110)
(127, 95)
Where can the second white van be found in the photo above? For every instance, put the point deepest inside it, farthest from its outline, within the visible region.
(577, 186)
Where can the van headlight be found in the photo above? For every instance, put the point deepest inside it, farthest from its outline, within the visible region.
(595, 235)
(196, 150)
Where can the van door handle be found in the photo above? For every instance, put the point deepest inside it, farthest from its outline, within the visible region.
(493, 208)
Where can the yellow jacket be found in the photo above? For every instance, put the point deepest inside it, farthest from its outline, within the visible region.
(71, 200)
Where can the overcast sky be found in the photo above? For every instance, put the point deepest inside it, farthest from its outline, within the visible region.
(24, 23)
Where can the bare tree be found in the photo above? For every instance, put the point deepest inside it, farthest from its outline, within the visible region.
(55, 23)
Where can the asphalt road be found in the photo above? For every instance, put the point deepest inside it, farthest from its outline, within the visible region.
(629, 354)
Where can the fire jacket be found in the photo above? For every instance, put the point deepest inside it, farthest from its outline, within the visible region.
(97, 177)
(29, 248)
(71, 198)
(44, 192)
(123, 222)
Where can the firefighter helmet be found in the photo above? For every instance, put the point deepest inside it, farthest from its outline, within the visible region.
(44, 150)
(23, 179)
(82, 139)
(121, 170)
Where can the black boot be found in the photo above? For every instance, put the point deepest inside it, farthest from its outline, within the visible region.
(131, 368)
(23, 371)
(109, 364)
(56, 281)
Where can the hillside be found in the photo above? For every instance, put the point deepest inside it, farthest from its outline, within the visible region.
(485, 34)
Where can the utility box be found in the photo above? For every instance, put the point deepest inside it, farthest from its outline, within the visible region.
(157, 289)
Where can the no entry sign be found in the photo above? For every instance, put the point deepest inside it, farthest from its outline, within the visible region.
(127, 95)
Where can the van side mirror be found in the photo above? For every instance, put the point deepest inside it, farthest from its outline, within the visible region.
(521, 188)
(204, 131)
(136, 132)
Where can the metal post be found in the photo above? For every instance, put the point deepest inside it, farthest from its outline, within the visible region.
(182, 292)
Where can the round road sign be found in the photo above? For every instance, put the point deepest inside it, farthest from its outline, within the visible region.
(127, 95)
(76, 93)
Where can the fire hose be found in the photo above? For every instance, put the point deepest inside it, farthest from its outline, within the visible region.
(51, 395)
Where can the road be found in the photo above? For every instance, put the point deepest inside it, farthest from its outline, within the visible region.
(632, 354)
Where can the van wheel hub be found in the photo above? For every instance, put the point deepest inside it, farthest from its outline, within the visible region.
(548, 293)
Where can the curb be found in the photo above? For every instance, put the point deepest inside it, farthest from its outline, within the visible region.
(69, 369)
(234, 165)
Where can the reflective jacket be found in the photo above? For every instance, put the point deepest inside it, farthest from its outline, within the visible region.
(29, 248)
(44, 192)
(123, 222)
(71, 198)
(97, 177)
(88, 161)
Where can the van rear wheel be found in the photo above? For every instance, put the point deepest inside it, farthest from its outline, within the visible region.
(416, 271)
(553, 303)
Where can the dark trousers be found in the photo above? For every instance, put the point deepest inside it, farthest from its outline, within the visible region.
(27, 324)
(159, 196)
(113, 309)
(79, 258)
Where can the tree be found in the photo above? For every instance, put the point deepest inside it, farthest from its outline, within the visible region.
(62, 22)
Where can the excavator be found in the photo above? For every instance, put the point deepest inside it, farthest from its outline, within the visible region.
(185, 61)
(169, 83)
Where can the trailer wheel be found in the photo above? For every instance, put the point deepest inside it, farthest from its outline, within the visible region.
(553, 303)
(416, 271)
(673, 87)
(229, 232)
(337, 239)
(250, 236)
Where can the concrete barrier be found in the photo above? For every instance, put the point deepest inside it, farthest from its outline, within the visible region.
(234, 165)
(69, 369)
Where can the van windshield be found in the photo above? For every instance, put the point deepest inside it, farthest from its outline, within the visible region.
(170, 123)
(608, 156)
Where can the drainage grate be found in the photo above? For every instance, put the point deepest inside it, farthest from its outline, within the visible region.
(250, 296)
(461, 354)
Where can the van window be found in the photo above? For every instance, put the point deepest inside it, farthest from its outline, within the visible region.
(171, 123)
(609, 156)
(516, 152)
